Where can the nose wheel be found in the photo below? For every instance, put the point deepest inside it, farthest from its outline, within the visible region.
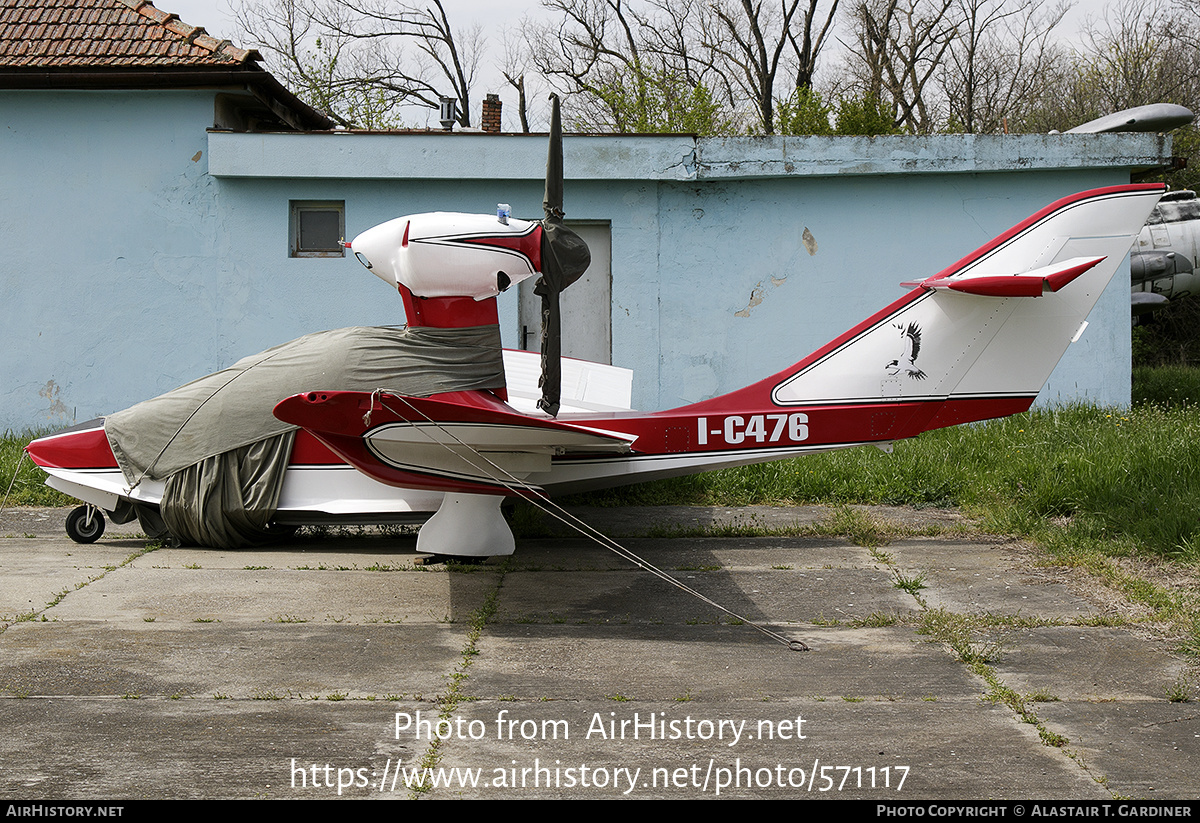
(85, 524)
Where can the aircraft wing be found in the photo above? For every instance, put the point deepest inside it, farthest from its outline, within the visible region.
(460, 442)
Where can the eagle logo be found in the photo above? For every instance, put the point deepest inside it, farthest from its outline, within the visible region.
(910, 340)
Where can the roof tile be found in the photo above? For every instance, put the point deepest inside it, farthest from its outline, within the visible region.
(90, 34)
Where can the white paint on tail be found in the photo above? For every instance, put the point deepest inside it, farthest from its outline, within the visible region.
(937, 343)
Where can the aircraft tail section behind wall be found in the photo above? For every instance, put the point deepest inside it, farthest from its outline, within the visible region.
(980, 338)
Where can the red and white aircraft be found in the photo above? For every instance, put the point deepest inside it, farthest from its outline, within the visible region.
(975, 341)
(969, 343)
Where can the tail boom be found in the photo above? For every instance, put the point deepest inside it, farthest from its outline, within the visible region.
(976, 341)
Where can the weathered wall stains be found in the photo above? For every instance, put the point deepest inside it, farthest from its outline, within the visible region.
(758, 293)
(810, 242)
(756, 297)
(58, 410)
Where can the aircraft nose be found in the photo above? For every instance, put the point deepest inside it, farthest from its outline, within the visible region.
(378, 247)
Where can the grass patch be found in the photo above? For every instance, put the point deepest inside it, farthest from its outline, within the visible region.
(1114, 474)
(912, 584)
(1166, 385)
(1090, 485)
(527, 521)
(876, 620)
(962, 635)
(29, 486)
(1180, 691)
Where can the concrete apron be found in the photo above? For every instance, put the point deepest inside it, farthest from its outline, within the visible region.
(329, 666)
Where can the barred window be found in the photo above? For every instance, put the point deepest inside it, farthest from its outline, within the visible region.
(317, 228)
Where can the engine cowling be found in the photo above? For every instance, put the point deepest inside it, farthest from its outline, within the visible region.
(447, 254)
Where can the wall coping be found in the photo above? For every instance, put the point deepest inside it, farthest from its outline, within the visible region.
(469, 156)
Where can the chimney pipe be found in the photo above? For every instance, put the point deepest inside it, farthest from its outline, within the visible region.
(491, 114)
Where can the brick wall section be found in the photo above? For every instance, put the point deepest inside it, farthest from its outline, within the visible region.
(491, 114)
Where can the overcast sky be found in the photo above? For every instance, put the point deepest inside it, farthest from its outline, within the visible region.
(216, 16)
(493, 15)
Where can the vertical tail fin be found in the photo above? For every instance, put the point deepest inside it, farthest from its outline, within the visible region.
(981, 337)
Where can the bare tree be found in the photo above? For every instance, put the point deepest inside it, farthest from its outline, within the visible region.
(1183, 24)
(807, 48)
(1002, 54)
(726, 53)
(750, 43)
(898, 50)
(305, 57)
(359, 60)
(1133, 55)
(513, 66)
(595, 46)
(1138, 52)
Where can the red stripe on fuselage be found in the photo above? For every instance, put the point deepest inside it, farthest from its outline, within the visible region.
(668, 434)
(820, 426)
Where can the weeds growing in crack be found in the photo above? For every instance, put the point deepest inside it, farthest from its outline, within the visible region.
(455, 693)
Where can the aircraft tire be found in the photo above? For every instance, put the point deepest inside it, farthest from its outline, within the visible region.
(82, 531)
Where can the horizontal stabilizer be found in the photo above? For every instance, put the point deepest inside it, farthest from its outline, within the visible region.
(1027, 284)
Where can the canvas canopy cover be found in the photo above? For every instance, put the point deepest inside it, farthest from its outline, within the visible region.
(223, 453)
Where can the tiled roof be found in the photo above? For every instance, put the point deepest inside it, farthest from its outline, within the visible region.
(93, 34)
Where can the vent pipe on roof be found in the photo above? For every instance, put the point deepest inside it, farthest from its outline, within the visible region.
(448, 112)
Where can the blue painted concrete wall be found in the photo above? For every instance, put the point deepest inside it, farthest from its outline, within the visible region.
(144, 251)
(130, 269)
